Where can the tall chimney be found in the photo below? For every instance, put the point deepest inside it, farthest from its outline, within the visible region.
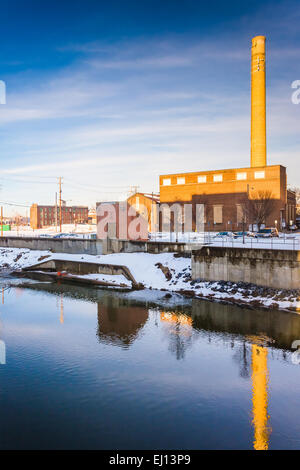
(258, 103)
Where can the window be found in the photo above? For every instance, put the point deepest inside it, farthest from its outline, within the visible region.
(202, 179)
(218, 214)
(218, 178)
(259, 175)
(239, 213)
(167, 182)
(241, 176)
(180, 180)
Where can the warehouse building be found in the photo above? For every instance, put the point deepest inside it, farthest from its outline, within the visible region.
(45, 216)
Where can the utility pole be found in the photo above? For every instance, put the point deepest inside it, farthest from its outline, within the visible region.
(133, 190)
(60, 214)
(1, 221)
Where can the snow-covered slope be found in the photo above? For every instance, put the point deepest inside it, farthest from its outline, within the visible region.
(166, 272)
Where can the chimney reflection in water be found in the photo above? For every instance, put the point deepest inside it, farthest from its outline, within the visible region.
(260, 379)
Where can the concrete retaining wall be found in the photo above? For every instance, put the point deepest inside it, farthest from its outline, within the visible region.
(92, 247)
(271, 268)
(130, 246)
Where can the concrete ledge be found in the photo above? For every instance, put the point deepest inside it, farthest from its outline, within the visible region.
(93, 247)
(279, 269)
(82, 268)
(111, 245)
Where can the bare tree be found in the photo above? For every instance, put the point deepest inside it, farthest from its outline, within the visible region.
(258, 207)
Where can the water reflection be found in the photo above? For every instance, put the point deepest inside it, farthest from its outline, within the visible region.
(119, 324)
(260, 381)
(242, 357)
(278, 329)
(61, 319)
(179, 330)
(251, 338)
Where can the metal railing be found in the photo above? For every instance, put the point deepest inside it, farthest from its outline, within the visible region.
(284, 241)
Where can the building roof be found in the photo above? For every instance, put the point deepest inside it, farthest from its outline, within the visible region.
(221, 170)
(153, 196)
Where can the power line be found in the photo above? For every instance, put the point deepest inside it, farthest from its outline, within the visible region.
(27, 181)
(14, 204)
(95, 190)
(89, 187)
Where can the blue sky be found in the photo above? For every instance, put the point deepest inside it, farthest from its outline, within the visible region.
(109, 95)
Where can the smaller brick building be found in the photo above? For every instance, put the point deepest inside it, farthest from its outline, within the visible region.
(147, 206)
(45, 216)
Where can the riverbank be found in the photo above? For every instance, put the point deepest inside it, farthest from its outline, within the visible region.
(166, 272)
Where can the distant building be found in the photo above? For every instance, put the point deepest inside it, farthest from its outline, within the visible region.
(45, 216)
(92, 216)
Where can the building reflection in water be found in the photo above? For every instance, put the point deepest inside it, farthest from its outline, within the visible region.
(120, 323)
(260, 383)
(61, 319)
(60, 307)
(251, 360)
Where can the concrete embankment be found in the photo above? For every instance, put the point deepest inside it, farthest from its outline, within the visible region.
(82, 268)
(278, 269)
(55, 245)
(92, 247)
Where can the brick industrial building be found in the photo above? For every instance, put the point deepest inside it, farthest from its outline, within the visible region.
(225, 193)
(44, 216)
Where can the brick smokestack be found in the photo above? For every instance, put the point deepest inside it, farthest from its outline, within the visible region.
(258, 102)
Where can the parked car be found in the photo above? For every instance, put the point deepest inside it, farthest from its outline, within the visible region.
(268, 232)
(61, 235)
(45, 235)
(224, 234)
(241, 234)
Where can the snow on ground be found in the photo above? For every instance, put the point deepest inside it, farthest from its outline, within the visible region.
(117, 279)
(19, 258)
(26, 231)
(165, 272)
